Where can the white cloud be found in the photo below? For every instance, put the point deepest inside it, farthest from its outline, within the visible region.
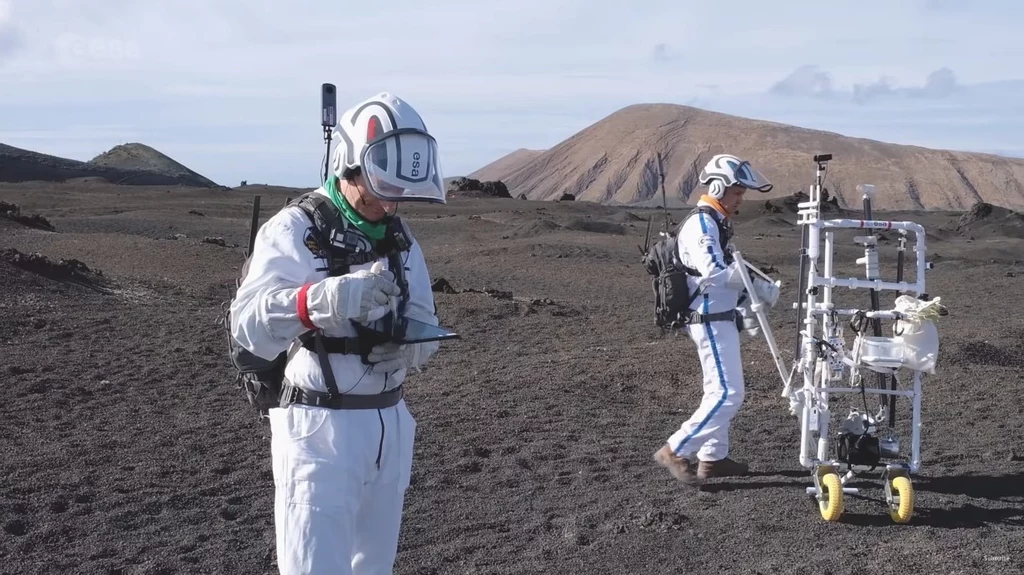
(812, 82)
(10, 39)
(808, 80)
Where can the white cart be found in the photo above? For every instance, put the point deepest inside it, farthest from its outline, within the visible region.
(866, 442)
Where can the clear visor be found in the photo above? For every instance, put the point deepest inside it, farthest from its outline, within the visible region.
(748, 176)
(402, 167)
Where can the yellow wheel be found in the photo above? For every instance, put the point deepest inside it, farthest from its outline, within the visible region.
(903, 493)
(830, 500)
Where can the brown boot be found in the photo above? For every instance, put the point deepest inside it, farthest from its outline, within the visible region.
(721, 468)
(679, 467)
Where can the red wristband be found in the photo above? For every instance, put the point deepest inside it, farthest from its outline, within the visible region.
(303, 309)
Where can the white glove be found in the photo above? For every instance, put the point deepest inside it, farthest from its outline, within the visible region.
(748, 323)
(767, 292)
(360, 296)
(733, 276)
(388, 357)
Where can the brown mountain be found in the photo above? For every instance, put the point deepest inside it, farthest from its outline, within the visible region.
(614, 161)
(506, 164)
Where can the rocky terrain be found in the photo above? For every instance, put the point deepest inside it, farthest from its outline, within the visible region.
(127, 449)
(614, 161)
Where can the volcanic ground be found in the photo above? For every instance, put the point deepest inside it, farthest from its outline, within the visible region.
(126, 447)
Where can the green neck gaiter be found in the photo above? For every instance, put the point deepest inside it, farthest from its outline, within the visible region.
(373, 230)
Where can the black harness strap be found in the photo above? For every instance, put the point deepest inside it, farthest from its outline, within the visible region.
(724, 236)
(696, 317)
(326, 221)
(344, 345)
(291, 395)
(724, 229)
(334, 399)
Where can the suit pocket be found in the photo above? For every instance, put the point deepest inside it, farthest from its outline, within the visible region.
(296, 424)
(311, 466)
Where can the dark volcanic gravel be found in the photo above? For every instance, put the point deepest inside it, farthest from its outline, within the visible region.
(126, 448)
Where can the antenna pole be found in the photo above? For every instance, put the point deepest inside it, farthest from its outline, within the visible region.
(870, 261)
(253, 224)
(664, 200)
(327, 155)
(821, 162)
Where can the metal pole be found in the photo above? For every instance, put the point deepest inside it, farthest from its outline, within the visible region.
(900, 259)
(327, 156)
(801, 286)
(871, 258)
(819, 177)
(254, 224)
(664, 198)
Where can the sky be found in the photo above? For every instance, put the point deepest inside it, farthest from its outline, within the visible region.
(231, 89)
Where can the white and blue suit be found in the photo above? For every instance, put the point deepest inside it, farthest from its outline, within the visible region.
(706, 433)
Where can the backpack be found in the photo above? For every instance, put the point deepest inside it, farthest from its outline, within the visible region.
(672, 294)
(330, 236)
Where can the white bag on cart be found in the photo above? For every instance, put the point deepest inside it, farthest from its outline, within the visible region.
(918, 332)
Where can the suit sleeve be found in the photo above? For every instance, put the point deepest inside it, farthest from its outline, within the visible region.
(264, 313)
(698, 239)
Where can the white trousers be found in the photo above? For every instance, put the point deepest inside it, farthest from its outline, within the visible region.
(335, 510)
(706, 433)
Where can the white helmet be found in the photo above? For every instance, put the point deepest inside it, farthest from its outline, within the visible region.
(726, 170)
(386, 137)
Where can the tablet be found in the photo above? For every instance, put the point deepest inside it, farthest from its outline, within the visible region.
(415, 332)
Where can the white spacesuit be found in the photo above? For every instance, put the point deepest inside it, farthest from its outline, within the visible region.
(341, 473)
(702, 247)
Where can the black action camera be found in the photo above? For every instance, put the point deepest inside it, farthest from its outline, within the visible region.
(328, 106)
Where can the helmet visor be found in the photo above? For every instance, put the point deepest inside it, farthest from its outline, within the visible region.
(748, 177)
(402, 166)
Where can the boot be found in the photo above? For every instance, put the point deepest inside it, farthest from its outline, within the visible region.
(679, 467)
(721, 468)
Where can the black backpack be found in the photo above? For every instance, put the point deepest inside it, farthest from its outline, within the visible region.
(672, 294)
(329, 232)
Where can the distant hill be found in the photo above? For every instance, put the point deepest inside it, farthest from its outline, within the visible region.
(613, 161)
(505, 165)
(127, 164)
(141, 157)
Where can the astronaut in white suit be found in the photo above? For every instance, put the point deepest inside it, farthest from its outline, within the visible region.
(704, 245)
(342, 463)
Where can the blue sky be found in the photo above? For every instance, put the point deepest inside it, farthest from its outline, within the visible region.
(232, 88)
